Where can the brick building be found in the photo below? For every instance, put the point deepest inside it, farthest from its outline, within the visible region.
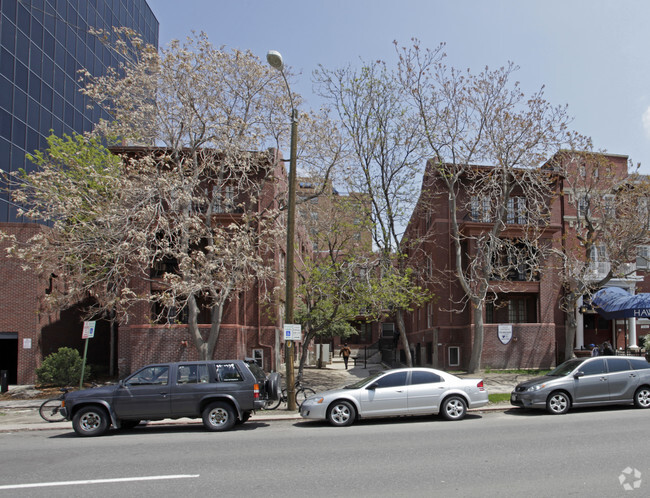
(524, 326)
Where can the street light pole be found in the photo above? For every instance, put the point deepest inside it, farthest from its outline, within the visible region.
(275, 61)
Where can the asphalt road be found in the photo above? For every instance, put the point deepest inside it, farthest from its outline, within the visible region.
(515, 453)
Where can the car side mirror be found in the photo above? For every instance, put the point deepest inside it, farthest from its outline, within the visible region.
(373, 386)
(577, 375)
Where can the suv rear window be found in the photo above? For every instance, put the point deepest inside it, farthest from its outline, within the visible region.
(228, 372)
(639, 364)
(257, 371)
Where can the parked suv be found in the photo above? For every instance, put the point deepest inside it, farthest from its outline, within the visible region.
(222, 393)
(602, 380)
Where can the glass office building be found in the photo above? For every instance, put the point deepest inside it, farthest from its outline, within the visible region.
(43, 45)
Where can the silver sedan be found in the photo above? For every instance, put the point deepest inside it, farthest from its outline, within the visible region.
(404, 391)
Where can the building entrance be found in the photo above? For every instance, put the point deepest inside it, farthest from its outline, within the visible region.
(9, 355)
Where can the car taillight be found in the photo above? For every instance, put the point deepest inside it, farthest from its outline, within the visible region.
(256, 391)
(480, 386)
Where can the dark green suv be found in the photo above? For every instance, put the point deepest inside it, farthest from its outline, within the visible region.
(223, 393)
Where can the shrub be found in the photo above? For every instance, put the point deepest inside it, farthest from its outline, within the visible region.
(62, 368)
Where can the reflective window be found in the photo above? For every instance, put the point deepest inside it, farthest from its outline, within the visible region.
(150, 376)
(639, 364)
(228, 372)
(617, 364)
(593, 367)
(424, 377)
(392, 380)
(192, 374)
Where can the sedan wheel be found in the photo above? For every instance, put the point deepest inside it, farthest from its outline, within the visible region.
(218, 416)
(642, 397)
(454, 408)
(341, 413)
(558, 403)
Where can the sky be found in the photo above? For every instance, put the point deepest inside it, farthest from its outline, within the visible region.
(592, 55)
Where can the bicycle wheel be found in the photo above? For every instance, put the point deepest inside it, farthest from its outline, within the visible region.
(302, 394)
(272, 404)
(50, 410)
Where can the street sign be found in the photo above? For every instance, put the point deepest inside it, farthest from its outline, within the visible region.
(89, 330)
(292, 332)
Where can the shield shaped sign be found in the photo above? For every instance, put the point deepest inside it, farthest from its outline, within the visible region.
(505, 333)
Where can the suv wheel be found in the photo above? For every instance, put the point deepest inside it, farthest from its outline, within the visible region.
(90, 421)
(219, 416)
(558, 403)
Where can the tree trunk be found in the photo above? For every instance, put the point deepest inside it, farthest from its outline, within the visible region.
(570, 330)
(477, 345)
(111, 356)
(309, 337)
(402, 334)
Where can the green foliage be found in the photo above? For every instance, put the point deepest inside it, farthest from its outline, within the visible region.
(62, 368)
(644, 342)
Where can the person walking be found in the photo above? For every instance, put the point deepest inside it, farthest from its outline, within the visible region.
(345, 353)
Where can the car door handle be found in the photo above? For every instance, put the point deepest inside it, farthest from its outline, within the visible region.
(603, 379)
(632, 375)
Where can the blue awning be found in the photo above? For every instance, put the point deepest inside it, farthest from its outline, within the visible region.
(614, 302)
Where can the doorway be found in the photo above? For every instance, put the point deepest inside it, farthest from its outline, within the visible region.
(9, 355)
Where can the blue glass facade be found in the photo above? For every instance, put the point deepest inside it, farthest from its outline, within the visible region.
(43, 45)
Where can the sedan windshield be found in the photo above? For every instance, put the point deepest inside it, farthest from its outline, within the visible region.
(363, 382)
(566, 368)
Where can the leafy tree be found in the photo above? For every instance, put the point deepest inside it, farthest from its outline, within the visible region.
(186, 192)
(383, 156)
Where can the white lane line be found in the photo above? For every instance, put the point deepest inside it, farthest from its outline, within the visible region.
(97, 481)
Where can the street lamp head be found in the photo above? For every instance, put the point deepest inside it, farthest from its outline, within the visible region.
(274, 58)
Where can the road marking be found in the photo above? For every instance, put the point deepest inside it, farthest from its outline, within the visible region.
(97, 481)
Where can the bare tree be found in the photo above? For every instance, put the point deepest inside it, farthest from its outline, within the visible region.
(485, 118)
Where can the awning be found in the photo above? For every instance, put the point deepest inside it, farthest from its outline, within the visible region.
(614, 302)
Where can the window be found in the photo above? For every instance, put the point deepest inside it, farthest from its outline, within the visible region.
(583, 206)
(517, 210)
(192, 374)
(617, 365)
(258, 356)
(594, 367)
(150, 376)
(228, 372)
(639, 364)
(392, 380)
(423, 377)
(429, 315)
(480, 207)
(642, 256)
(223, 199)
(454, 356)
(517, 310)
(387, 329)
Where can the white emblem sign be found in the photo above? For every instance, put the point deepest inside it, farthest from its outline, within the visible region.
(505, 333)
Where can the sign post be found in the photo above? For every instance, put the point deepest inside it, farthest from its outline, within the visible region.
(88, 333)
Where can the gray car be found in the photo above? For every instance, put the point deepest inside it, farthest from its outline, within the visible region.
(404, 391)
(601, 380)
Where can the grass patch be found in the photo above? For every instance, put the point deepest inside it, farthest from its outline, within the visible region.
(498, 397)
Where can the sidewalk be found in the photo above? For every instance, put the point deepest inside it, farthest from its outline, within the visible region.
(22, 414)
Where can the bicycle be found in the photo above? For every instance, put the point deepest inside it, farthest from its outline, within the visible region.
(302, 393)
(50, 409)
